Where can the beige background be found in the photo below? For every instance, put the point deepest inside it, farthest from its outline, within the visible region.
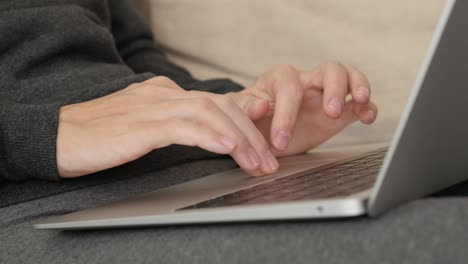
(240, 39)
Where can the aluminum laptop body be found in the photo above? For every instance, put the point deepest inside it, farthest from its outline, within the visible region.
(429, 152)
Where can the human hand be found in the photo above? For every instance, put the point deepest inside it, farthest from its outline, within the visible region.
(123, 126)
(298, 110)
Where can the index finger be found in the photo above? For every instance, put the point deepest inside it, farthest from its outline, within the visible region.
(288, 100)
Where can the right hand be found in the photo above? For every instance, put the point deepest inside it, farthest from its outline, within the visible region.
(123, 126)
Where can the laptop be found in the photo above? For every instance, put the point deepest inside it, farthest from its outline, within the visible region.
(429, 152)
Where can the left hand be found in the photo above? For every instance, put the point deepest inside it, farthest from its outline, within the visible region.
(298, 110)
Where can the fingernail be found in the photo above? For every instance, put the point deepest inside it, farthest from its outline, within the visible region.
(336, 105)
(282, 139)
(363, 91)
(228, 143)
(272, 162)
(369, 116)
(253, 158)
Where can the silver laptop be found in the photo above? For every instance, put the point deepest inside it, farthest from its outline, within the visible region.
(429, 152)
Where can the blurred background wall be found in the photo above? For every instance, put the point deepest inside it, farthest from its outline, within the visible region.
(241, 39)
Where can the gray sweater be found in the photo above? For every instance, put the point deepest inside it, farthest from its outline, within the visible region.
(59, 52)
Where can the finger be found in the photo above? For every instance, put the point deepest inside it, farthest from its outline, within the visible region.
(288, 100)
(206, 111)
(354, 112)
(335, 89)
(259, 109)
(255, 107)
(184, 132)
(160, 134)
(367, 114)
(359, 85)
(335, 125)
(244, 124)
(269, 164)
(350, 114)
(192, 134)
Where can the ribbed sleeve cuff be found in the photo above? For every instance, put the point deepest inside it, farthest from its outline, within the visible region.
(28, 135)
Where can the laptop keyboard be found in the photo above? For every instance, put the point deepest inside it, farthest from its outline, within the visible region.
(341, 180)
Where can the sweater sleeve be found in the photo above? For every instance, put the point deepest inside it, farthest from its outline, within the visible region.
(45, 65)
(27, 138)
(64, 52)
(140, 52)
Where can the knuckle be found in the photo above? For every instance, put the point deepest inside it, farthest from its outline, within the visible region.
(161, 79)
(205, 104)
(148, 89)
(295, 90)
(239, 138)
(164, 81)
